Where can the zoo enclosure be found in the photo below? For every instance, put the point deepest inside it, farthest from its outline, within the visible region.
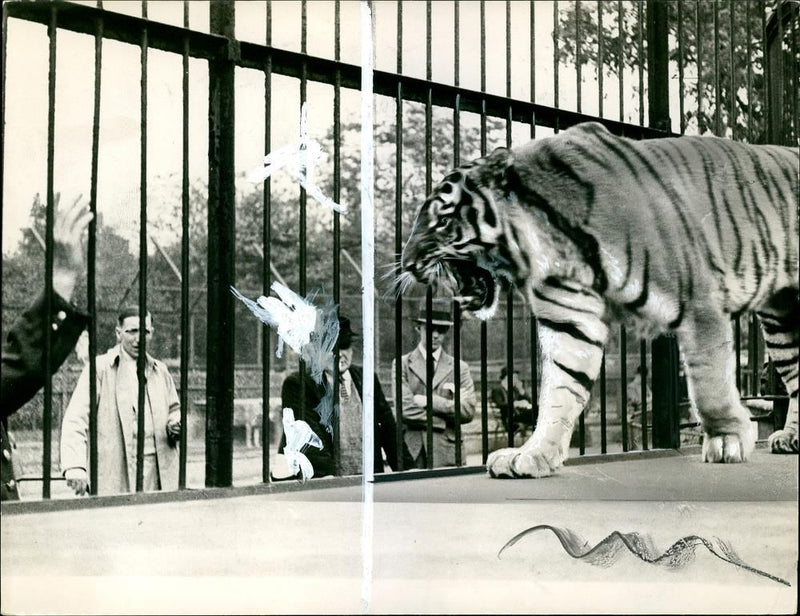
(652, 56)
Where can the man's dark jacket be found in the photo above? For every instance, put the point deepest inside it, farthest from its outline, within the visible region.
(23, 366)
(323, 460)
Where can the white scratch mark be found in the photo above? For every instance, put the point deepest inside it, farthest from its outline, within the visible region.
(367, 299)
(298, 159)
(299, 436)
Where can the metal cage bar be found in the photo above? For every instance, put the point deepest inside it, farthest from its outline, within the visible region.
(398, 243)
(91, 263)
(266, 272)
(184, 365)
(47, 418)
(141, 363)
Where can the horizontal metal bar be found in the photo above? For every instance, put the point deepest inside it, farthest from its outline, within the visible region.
(165, 37)
(119, 27)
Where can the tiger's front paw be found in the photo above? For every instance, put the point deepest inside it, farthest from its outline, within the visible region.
(727, 448)
(516, 463)
(783, 441)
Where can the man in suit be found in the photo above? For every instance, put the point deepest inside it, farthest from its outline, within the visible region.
(414, 392)
(23, 371)
(349, 433)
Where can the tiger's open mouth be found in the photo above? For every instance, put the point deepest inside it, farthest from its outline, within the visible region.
(477, 285)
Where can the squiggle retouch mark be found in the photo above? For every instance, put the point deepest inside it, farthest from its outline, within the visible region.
(605, 553)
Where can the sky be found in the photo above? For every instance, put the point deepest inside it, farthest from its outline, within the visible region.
(25, 155)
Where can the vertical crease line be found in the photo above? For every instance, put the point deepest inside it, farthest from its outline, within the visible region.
(368, 297)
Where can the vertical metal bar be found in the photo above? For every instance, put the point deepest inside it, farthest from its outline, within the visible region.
(429, 378)
(600, 59)
(737, 339)
(398, 243)
(457, 378)
(141, 363)
(732, 86)
(456, 162)
(578, 59)
(644, 373)
(510, 365)
(534, 336)
(640, 38)
(621, 59)
(508, 48)
(717, 85)
(337, 222)
(795, 91)
(184, 376)
(556, 28)
(428, 186)
(681, 62)
(266, 274)
(658, 65)
(749, 35)
(483, 327)
(47, 418)
(91, 259)
(303, 97)
(781, 73)
(532, 6)
(510, 294)
(623, 385)
(220, 357)
(603, 434)
(754, 357)
(765, 102)
(699, 42)
(582, 430)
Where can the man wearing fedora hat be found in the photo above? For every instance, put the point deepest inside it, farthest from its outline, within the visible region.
(414, 388)
(349, 433)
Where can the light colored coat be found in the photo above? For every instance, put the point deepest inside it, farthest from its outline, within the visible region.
(414, 372)
(116, 446)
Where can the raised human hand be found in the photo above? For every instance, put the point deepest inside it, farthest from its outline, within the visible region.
(70, 223)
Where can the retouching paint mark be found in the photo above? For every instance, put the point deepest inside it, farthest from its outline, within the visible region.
(298, 159)
(310, 330)
(605, 553)
(299, 437)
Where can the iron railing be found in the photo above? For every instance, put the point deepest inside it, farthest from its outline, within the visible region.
(610, 33)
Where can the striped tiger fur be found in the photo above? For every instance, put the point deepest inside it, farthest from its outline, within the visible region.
(673, 234)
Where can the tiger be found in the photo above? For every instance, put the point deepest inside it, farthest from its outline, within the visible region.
(670, 235)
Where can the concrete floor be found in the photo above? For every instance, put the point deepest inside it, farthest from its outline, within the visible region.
(433, 546)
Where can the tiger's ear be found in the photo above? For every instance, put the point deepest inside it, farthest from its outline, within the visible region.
(497, 166)
(500, 168)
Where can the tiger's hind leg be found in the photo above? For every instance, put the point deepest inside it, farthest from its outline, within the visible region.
(707, 342)
(780, 322)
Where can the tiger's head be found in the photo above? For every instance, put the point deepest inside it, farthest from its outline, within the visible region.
(457, 236)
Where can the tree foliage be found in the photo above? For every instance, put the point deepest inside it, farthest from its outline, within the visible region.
(719, 46)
